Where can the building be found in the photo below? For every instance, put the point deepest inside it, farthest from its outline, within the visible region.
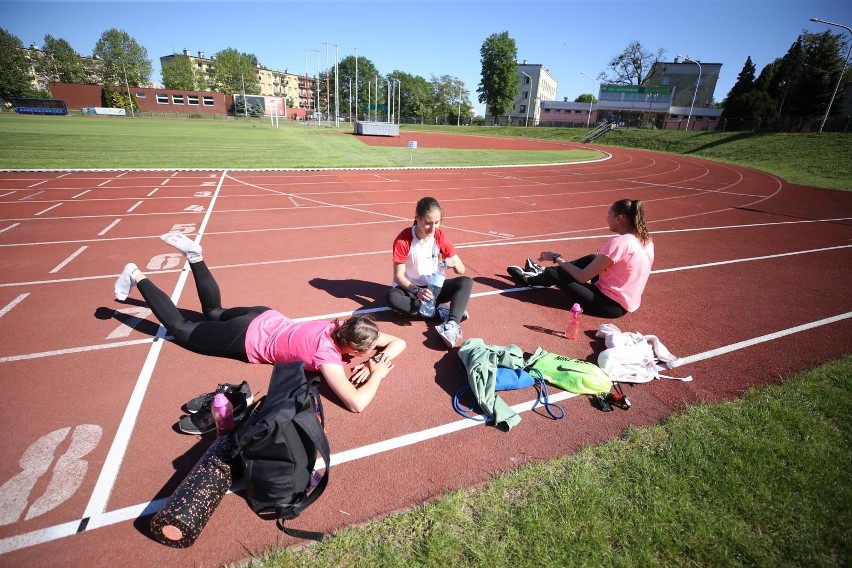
(687, 80)
(296, 88)
(567, 113)
(39, 81)
(535, 85)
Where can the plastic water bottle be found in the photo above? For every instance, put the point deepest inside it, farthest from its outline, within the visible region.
(223, 414)
(574, 322)
(427, 308)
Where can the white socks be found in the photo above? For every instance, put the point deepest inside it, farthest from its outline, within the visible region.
(190, 249)
(125, 281)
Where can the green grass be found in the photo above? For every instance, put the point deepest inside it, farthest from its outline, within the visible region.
(759, 481)
(815, 159)
(45, 142)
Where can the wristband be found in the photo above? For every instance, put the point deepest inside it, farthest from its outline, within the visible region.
(555, 256)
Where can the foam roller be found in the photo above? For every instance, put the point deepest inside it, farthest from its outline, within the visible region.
(187, 511)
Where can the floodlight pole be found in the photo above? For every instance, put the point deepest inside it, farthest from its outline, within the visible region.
(842, 73)
(695, 94)
(589, 118)
(127, 85)
(458, 121)
(527, 120)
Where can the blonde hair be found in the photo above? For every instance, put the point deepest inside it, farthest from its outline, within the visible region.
(358, 332)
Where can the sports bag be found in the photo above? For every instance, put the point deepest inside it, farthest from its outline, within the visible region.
(512, 379)
(573, 375)
(631, 357)
(278, 445)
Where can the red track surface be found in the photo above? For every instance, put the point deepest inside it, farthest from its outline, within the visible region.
(741, 256)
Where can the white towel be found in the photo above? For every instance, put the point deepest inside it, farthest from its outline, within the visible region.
(631, 357)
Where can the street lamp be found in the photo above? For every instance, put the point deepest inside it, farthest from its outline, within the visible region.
(458, 120)
(589, 118)
(842, 73)
(127, 85)
(527, 121)
(695, 94)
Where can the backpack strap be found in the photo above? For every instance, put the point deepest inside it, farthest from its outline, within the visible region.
(543, 396)
(464, 410)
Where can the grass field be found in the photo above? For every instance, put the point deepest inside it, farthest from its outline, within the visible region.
(760, 481)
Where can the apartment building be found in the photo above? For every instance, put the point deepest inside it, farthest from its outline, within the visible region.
(535, 85)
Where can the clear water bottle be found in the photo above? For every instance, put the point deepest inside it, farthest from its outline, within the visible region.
(223, 414)
(573, 329)
(427, 307)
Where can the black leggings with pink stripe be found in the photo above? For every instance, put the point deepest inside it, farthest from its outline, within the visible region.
(223, 331)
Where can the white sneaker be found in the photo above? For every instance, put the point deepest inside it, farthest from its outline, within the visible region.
(190, 249)
(450, 332)
(125, 281)
(444, 313)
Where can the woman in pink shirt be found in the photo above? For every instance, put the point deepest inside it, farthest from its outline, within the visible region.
(261, 335)
(610, 283)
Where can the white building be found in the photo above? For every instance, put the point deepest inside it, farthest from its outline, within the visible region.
(535, 84)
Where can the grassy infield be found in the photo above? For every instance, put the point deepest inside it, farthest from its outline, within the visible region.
(760, 481)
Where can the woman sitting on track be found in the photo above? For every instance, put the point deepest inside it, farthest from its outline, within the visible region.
(261, 335)
(417, 250)
(610, 283)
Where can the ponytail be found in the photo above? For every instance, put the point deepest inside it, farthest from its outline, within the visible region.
(634, 211)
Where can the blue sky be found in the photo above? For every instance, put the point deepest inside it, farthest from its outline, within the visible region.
(441, 37)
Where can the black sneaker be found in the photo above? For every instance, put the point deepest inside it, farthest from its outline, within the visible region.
(599, 401)
(518, 275)
(233, 392)
(202, 421)
(533, 268)
(619, 400)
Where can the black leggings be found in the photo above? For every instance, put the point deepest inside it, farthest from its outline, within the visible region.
(591, 299)
(223, 331)
(456, 291)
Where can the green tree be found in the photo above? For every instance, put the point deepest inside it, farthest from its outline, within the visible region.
(632, 66)
(14, 68)
(124, 61)
(60, 63)
(736, 104)
(586, 98)
(447, 93)
(346, 85)
(822, 61)
(233, 71)
(499, 84)
(415, 97)
(179, 74)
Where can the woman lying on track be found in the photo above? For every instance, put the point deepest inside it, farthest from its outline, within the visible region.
(261, 335)
(610, 283)
(417, 251)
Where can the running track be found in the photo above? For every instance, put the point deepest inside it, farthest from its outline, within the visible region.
(750, 285)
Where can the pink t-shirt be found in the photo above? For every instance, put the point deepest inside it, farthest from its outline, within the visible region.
(624, 280)
(421, 256)
(274, 338)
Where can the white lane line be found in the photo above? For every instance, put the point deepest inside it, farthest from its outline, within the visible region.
(122, 174)
(39, 183)
(93, 516)
(73, 350)
(74, 255)
(8, 307)
(137, 204)
(293, 201)
(30, 196)
(7, 193)
(48, 209)
(153, 191)
(12, 226)
(110, 226)
(165, 181)
(63, 175)
(103, 183)
(132, 512)
(81, 194)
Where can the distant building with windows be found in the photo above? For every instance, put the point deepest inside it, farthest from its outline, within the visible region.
(535, 86)
(682, 78)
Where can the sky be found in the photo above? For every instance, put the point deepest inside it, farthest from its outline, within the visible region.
(441, 37)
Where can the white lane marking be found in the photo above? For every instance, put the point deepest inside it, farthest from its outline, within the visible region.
(48, 209)
(165, 181)
(293, 201)
(103, 183)
(63, 530)
(8, 307)
(110, 226)
(112, 464)
(137, 204)
(81, 193)
(74, 255)
(7, 193)
(39, 183)
(152, 192)
(12, 226)
(74, 350)
(137, 315)
(30, 196)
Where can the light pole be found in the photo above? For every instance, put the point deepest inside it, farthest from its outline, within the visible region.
(527, 121)
(589, 118)
(842, 73)
(243, 81)
(695, 94)
(127, 85)
(458, 120)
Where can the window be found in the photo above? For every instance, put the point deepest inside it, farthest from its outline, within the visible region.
(523, 109)
(140, 95)
(192, 100)
(208, 101)
(666, 81)
(162, 99)
(177, 99)
(525, 95)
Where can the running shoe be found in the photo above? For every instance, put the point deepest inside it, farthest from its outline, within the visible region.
(450, 333)
(532, 267)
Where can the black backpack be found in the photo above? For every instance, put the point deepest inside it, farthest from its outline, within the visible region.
(278, 445)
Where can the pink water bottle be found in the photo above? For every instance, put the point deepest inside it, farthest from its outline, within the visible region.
(223, 414)
(574, 322)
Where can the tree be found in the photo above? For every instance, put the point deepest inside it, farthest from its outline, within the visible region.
(632, 66)
(234, 71)
(736, 104)
(447, 93)
(14, 68)
(821, 65)
(179, 74)
(499, 84)
(124, 60)
(346, 76)
(415, 96)
(60, 63)
(586, 98)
